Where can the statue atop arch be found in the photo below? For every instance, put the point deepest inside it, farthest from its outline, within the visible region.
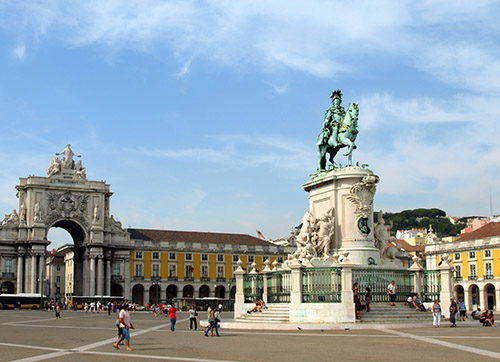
(340, 128)
(66, 164)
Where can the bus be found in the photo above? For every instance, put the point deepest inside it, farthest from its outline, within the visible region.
(201, 304)
(79, 301)
(21, 301)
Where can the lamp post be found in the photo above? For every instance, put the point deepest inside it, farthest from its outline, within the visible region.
(156, 283)
(229, 294)
(41, 290)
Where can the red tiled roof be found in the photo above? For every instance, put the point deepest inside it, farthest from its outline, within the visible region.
(195, 237)
(486, 231)
(409, 247)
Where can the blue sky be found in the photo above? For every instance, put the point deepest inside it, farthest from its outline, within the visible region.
(203, 115)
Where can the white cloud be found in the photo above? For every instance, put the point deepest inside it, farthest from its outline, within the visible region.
(19, 51)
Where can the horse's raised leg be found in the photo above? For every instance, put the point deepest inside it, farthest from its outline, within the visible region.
(322, 158)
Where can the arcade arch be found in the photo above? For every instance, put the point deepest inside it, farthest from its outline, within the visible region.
(171, 292)
(489, 292)
(220, 291)
(138, 294)
(204, 291)
(188, 291)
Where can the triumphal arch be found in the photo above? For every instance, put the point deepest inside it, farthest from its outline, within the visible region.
(68, 200)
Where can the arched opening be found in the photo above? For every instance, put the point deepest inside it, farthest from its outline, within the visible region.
(71, 279)
(155, 294)
(220, 292)
(188, 291)
(204, 291)
(459, 292)
(7, 288)
(138, 294)
(474, 296)
(171, 292)
(233, 292)
(489, 290)
(116, 290)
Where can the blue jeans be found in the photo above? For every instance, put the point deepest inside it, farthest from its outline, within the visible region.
(172, 324)
(125, 334)
(212, 325)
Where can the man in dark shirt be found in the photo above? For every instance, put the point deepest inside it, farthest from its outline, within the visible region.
(453, 312)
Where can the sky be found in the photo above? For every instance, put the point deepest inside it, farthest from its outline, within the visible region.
(203, 115)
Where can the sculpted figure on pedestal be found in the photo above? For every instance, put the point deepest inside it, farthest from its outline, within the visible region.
(340, 129)
(38, 211)
(22, 214)
(316, 236)
(67, 161)
(80, 170)
(11, 220)
(383, 238)
(55, 166)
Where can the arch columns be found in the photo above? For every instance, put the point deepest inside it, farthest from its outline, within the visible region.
(100, 275)
(126, 290)
(467, 298)
(20, 269)
(92, 274)
(33, 273)
(108, 275)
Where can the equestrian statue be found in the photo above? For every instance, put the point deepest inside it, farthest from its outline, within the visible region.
(340, 129)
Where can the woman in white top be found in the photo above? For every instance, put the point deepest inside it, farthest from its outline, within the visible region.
(436, 312)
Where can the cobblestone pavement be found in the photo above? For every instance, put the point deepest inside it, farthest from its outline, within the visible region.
(79, 336)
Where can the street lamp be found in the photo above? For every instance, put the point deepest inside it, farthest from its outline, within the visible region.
(229, 295)
(156, 283)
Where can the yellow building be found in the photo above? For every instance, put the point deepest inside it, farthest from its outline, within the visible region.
(476, 258)
(169, 264)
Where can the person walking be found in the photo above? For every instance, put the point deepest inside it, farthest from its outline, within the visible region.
(453, 312)
(392, 289)
(57, 309)
(172, 313)
(436, 313)
(211, 320)
(192, 318)
(125, 324)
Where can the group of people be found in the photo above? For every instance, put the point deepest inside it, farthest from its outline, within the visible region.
(415, 302)
(487, 318)
(358, 305)
(260, 305)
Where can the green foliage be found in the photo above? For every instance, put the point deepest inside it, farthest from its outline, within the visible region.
(421, 219)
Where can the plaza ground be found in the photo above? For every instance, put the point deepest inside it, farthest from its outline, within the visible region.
(79, 336)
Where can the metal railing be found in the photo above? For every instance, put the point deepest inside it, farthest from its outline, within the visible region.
(279, 286)
(253, 286)
(321, 285)
(431, 288)
(379, 279)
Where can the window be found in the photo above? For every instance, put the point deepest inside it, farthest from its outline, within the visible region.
(58, 279)
(264, 258)
(171, 256)
(472, 255)
(235, 258)
(116, 269)
(58, 267)
(172, 270)
(204, 272)
(156, 255)
(58, 290)
(457, 256)
(138, 270)
(458, 271)
(220, 257)
(487, 253)
(156, 270)
(138, 254)
(204, 257)
(473, 273)
(220, 271)
(251, 259)
(189, 271)
(488, 270)
(8, 265)
(280, 259)
(189, 256)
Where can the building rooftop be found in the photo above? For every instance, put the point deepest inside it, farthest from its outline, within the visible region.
(408, 247)
(487, 231)
(195, 237)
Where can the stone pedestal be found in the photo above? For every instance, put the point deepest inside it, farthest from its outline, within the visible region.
(349, 191)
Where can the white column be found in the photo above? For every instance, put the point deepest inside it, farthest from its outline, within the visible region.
(27, 271)
(497, 297)
(126, 292)
(20, 276)
(41, 272)
(467, 298)
(33, 274)
(100, 275)
(483, 296)
(86, 274)
(108, 276)
(92, 275)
